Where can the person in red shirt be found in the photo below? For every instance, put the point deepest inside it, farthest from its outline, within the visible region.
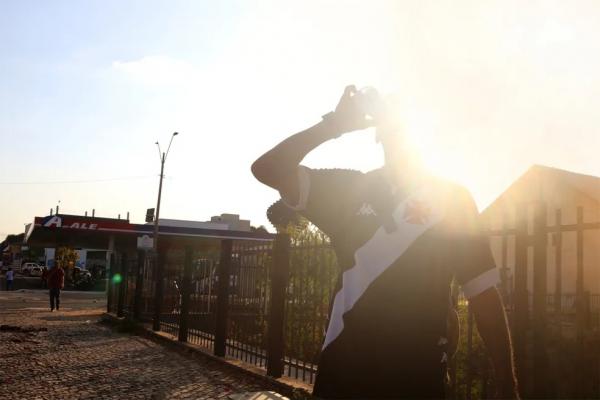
(56, 281)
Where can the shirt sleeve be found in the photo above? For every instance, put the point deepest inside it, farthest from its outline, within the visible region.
(475, 269)
(325, 196)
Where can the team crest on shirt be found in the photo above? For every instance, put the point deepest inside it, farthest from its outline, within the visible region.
(366, 209)
(417, 212)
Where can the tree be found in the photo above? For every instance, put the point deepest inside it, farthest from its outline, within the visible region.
(66, 257)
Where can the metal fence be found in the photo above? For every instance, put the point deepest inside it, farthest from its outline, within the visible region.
(556, 336)
(312, 276)
(249, 302)
(266, 303)
(203, 300)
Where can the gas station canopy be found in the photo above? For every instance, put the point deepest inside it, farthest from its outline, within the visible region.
(94, 232)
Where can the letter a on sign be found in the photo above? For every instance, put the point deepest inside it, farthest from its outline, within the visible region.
(54, 221)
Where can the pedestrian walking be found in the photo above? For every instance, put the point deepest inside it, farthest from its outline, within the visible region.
(56, 282)
(44, 277)
(401, 236)
(10, 276)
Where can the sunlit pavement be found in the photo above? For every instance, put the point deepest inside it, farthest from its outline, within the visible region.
(69, 355)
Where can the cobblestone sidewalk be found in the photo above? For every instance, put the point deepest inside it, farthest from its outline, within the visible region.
(69, 355)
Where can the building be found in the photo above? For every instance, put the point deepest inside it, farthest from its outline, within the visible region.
(94, 238)
(11, 251)
(233, 222)
(227, 222)
(562, 192)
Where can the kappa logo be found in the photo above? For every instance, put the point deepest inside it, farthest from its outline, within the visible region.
(366, 209)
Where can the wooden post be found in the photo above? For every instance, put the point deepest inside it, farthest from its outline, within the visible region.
(159, 269)
(558, 264)
(279, 280)
(540, 291)
(111, 289)
(185, 294)
(521, 304)
(122, 284)
(222, 310)
(139, 284)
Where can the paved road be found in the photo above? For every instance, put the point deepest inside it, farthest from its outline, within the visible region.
(68, 354)
(35, 282)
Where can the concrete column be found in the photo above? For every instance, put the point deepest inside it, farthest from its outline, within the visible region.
(109, 261)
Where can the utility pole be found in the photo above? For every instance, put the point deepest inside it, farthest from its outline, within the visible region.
(155, 236)
(163, 158)
(159, 260)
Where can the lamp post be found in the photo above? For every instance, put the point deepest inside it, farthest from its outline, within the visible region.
(163, 158)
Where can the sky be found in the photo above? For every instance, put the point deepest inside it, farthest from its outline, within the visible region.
(485, 90)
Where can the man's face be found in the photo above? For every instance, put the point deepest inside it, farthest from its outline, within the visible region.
(392, 142)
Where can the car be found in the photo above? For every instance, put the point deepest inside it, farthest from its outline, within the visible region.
(26, 268)
(82, 273)
(35, 271)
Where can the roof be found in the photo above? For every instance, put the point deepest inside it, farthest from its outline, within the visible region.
(587, 184)
(82, 231)
(559, 178)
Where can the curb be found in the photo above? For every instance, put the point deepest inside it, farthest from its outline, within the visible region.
(285, 386)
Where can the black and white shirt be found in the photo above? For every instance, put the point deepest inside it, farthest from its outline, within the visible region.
(398, 251)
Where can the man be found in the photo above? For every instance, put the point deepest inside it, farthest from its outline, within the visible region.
(56, 282)
(10, 276)
(400, 237)
(44, 277)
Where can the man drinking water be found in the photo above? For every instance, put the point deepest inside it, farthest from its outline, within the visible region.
(401, 236)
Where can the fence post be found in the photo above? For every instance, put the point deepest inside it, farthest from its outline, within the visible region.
(579, 282)
(185, 295)
(280, 268)
(109, 276)
(580, 308)
(504, 270)
(469, 372)
(521, 303)
(222, 310)
(139, 283)
(540, 291)
(558, 263)
(158, 291)
(454, 291)
(122, 284)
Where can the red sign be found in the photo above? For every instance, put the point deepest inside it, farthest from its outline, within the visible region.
(74, 222)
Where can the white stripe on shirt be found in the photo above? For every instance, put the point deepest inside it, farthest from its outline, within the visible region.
(481, 283)
(377, 254)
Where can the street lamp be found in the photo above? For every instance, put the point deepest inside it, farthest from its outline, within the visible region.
(163, 158)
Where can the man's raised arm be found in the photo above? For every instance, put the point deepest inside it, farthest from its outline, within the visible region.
(491, 323)
(278, 167)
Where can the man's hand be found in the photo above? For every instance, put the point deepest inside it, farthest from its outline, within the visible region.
(278, 167)
(348, 116)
